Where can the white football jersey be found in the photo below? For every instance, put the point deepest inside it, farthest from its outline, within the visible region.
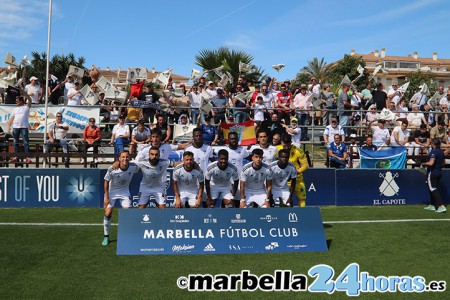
(236, 157)
(164, 151)
(281, 177)
(119, 181)
(187, 181)
(201, 155)
(269, 152)
(255, 180)
(221, 178)
(153, 177)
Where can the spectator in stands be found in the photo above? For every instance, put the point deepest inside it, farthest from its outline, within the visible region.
(161, 124)
(219, 103)
(394, 95)
(272, 126)
(67, 84)
(380, 98)
(294, 130)
(92, 137)
(34, 90)
(416, 118)
(12, 93)
(353, 145)
(150, 96)
(402, 111)
(120, 135)
(259, 109)
(328, 101)
(74, 95)
(54, 89)
(338, 153)
(210, 132)
(276, 139)
(184, 120)
(211, 90)
(269, 100)
(284, 104)
(19, 122)
(195, 100)
(140, 137)
(303, 108)
(380, 135)
(133, 114)
(136, 88)
(428, 115)
(400, 135)
(418, 98)
(240, 113)
(369, 145)
(446, 143)
(331, 130)
(344, 107)
(57, 136)
(421, 140)
(441, 113)
(438, 131)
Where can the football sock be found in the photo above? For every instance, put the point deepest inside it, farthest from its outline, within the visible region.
(106, 224)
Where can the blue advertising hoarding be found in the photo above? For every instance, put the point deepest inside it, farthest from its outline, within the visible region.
(320, 187)
(49, 188)
(218, 231)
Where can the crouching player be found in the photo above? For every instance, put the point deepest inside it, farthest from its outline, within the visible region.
(283, 172)
(256, 182)
(117, 187)
(217, 181)
(188, 182)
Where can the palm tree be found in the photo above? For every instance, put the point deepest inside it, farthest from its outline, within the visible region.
(316, 69)
(211, 59)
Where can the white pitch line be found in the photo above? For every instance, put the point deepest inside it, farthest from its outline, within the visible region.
(328, 222)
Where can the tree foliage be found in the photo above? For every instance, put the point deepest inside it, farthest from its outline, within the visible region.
(418, 78)
(211, 59)
(59, 65)
(316, 68)
(348, 66)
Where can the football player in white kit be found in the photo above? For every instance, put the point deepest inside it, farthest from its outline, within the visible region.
(256, 182)
(188, 182)
(164, 149)
(203, 153)
(282, 172)
(153, 179)
(218, 177)
(269, 150)
(117, 187)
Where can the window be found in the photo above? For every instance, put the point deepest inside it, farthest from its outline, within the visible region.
(390, 64)
(408, 65)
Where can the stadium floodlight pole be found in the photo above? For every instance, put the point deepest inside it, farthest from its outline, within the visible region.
(47, 72)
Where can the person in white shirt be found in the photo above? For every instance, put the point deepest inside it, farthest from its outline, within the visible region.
(203, 153)
(418, 98)
(294, 130)
(331, 130)
(415, 118)
(19, 122)
(394, 95)
(120, 135)
(283, 172)
(164, 149)
(140, 137)
(74, 95)
(218, 177)
(154, 179)
(188, 183)
(259, 110)
(256, 182)
(195, 100)
(380, 135)
(57, 133)
(400, 135)
(269, 151)
(117, 188)
(68, 84)
(34, 90)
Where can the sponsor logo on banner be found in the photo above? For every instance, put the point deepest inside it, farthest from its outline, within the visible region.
(297, 246)
(183, 248)
(293, 218)
(209, 219)
(209, 248)
(145, 219)
(81, 189)
(179, 219)
(152, 249)
(389, 188)
(272, 246)
(268, 218)
(238, 219)
(234, 247)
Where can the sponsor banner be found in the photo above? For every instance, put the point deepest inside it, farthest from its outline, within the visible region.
(391, 158)
(219, 231)
(49, 188)
(245, 130)
(320, 187)
(77, 117)
(380, 187)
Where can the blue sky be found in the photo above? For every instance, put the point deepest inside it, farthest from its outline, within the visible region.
(163, 34)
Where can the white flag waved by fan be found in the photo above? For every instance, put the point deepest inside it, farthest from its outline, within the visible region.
(75, 71)
(403, 88)
(136, 73)
(377, 69)
(243, 67)
(25, 62)
(278, 67)
(10, 60)
(386, 115)
(89, 95)
(114, 94)
(163, 77)
(194, 74)
(103, 84)
(360, 70)
(424, 90)
(346, 80)
(218, 71)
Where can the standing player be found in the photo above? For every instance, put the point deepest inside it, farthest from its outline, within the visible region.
(117, 187)
(188, 182)
(256, 182)
(434, 173)
(298, 158)
(236, 153)
(283, 172)
(164, 149)
(153, 179)
(203, 153)
(217, 181)
(269, 150)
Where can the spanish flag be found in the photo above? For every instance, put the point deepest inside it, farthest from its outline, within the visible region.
(245, 131)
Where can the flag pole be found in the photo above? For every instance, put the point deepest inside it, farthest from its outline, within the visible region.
(47, 72)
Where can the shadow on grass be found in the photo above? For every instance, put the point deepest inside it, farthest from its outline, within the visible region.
(329, 243)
